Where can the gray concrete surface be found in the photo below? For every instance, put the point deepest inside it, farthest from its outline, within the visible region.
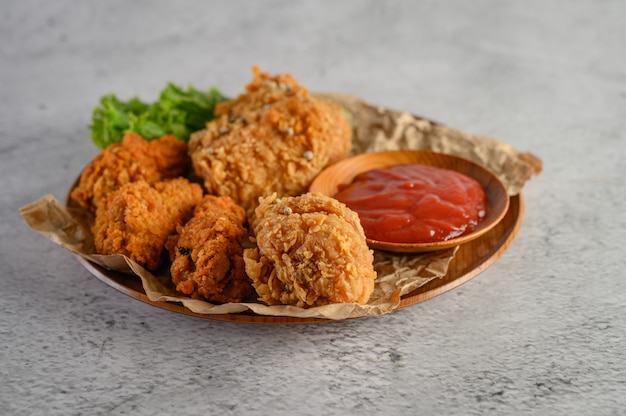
(540, 332)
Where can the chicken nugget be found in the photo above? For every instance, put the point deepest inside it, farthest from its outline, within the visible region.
(135, 159)
(137, 218)
(274, 138)
(311, 250)
(207, 253)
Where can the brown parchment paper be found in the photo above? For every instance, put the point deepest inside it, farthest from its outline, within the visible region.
(375, 129)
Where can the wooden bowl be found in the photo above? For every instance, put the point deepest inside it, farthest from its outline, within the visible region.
(343, 173)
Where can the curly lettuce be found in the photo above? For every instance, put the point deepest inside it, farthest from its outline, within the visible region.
(177, 111)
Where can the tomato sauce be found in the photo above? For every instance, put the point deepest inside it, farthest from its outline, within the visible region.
(415, 203)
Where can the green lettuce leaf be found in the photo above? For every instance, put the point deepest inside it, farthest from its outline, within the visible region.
(177, 111)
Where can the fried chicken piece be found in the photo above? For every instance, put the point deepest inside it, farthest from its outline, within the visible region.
(137, 218)
(134, 159)
(311, 250)
(207, 253)
(274, 138)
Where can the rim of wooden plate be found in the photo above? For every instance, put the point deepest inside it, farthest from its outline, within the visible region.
(344, 172)
(470, 260)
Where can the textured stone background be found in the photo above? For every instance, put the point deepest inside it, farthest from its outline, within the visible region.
(540, 332)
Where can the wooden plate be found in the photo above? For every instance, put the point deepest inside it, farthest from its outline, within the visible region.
(472, 258)
(344, 172)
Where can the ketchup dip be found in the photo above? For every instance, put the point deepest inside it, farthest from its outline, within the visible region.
(415, 203)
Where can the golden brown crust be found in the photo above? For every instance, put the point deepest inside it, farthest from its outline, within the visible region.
(274, 138)
(137, 218)
(311, 250)
(207, 253)
(135, 159)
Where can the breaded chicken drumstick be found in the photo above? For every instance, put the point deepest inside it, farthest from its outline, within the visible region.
(137, 218)
(135, 159)
(274, 138)
(207, 253)
(311, 250)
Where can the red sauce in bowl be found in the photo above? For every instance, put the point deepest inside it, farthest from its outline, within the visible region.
(415, 203)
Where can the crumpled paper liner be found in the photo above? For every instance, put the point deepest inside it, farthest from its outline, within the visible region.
(375, 129)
